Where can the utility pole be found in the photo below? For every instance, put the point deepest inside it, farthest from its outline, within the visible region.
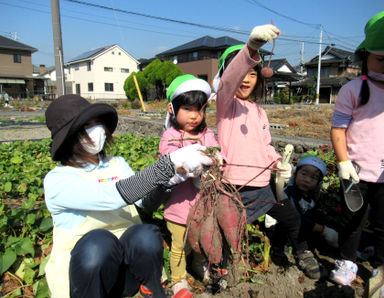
(58, 47)
(319, 67)
(302, 58)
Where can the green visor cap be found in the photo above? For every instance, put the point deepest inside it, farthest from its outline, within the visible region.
(185, 83)
(228, 51)
(374, 34)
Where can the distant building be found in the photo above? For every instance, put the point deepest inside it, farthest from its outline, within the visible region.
(16, 77)
(200, 56)
(101, 73)
(337, 68)
(48, 75)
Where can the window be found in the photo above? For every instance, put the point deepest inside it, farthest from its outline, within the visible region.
(194, 55)
(108, 68)
(17, 58)
(119, 53)
(108, 87)
(113, 53)
(78, 91)
(125, 70)
(89, 66)
(76, 66)
(90, 87)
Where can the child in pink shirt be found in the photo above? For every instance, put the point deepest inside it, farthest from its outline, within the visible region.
(185, 125)
(245, 140)
(357, 136)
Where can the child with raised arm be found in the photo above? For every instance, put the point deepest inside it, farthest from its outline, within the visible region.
(245, 140)
(185, 123)
(357, 137)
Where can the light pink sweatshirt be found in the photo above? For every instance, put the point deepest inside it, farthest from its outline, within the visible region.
(185, 195)
(364, 135)
(243, 127)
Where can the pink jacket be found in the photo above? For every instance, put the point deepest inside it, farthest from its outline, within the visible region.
(243, 128)
(185, 195)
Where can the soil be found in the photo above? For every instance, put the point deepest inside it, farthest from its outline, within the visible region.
(276, 281)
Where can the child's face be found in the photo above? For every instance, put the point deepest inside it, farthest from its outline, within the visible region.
(375, 63)
(307, 178)
(247, 85)
(189, 117)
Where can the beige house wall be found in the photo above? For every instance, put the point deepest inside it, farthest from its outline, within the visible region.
(206, 67)
(10, 68)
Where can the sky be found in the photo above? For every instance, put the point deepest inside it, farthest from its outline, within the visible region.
(145, 28)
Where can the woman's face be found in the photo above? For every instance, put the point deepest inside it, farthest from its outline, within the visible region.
(307, 178)
(247, 85)
(375, 63)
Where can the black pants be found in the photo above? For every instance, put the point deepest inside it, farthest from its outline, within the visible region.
(261, 200)
(353, 223)
(104, 266)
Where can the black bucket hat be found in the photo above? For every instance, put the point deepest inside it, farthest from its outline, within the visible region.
(68, 113)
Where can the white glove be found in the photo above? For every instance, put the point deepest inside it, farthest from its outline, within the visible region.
(284, 172)
(347, 170)
(269, 221)
(331, 236)
(188, 163)
(261, 34)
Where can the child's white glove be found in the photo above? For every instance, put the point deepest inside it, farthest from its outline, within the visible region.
(347, 170)
(284, 171)
(269, 221)
(188, 163)
(261, 34)
(331, 236)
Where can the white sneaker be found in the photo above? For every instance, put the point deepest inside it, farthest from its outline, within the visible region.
(182, 284)
(344, 272)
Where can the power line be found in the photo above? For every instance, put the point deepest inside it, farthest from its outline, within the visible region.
(283, 15)
(160, 18)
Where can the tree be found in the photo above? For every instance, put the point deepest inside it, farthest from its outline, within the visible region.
(161, 74)
(130, 87)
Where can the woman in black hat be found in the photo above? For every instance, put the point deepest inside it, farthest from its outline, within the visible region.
(100, 248)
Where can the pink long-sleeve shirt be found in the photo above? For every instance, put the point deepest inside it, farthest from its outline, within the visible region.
(243, 127)
(185, 195)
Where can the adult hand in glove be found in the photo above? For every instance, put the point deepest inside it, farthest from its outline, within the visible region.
(346, 170)
(331, 236)
(188, 163)
(284, 172)
(261, 34)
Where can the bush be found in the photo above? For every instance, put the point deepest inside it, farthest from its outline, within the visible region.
(136, 104)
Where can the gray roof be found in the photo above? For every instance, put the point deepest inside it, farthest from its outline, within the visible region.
(204, 42)
(88, 55)
(7, 43)
(339, 55)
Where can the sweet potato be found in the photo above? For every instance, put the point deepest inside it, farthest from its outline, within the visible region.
(210, 239)
(230, 221)
(194, 222)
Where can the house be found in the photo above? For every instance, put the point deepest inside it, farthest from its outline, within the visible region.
(337, 68)
(48, 75)
(200, 56)
(16, 69)
(100, 73)
(283, 76)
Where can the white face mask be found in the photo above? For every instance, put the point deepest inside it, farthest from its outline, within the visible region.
(376, 75)
(97, 135)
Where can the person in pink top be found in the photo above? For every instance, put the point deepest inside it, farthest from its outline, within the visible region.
(245, 140)
(185, 125)
(357, 138)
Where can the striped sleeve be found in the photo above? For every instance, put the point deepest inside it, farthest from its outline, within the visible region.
(142, 183)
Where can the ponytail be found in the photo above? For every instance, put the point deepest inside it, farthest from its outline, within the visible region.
(364, 91)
